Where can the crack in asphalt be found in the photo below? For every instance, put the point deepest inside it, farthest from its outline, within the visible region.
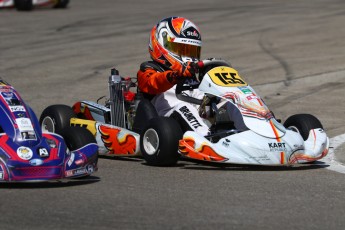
(267, 48)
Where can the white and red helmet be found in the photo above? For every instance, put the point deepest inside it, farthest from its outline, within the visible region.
(174, 41)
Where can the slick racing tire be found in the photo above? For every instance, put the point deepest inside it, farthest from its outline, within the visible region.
(159, 141)
(77, 137)
(61, 4)
(23, 5)
(55, 118)
(302, 123)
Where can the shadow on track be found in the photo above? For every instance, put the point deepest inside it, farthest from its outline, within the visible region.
(197, 165)
(50, 184)
(122, 158)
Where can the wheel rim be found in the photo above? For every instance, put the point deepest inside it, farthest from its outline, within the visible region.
(150, 141)
(48, 125)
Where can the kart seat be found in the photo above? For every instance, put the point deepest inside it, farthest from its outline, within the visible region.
(144, 113)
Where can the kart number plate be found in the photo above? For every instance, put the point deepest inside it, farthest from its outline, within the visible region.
(226, 77)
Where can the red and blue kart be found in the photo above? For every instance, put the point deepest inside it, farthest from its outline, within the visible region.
(26, 5)
(28, 155)
(127, 125)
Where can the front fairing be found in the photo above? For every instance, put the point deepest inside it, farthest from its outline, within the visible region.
(266, 142)
(28, 155)
(225, 83)
(249, 147)
(43, 161)
(49, 160)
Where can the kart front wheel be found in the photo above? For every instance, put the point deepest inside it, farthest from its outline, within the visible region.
(77, 137)
(303, 123)
(159, 141)
(55, 118)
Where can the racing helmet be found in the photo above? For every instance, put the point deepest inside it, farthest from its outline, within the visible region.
(174, 41)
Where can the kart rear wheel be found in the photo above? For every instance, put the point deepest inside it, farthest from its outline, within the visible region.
(159, 141)
(23, 5)
(303, 123)
(55, 118)
(61, 4)
(77, 137)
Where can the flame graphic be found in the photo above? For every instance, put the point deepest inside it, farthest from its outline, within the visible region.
(296, 157)
(205, 152)
(116, 145)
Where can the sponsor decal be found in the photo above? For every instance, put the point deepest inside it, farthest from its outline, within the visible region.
(75, 172)
(90, 169)
(79, 162)
(24, 153)
(43, 152)
(277, 147)
(29, 135)
(71, 159)
(189, 41)
(193, 34)
(8, 95)
(251, 97)
(19, 115)
(36, 162)
(24, 124)
(245, 90)
(190, 117)
(17, 108)
(226, 143)
(260, 158)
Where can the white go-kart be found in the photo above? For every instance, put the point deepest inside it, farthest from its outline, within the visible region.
(124, 126)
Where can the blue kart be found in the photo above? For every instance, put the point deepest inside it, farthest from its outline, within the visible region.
(29, 153)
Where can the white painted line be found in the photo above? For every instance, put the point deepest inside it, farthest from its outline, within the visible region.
(330, 159)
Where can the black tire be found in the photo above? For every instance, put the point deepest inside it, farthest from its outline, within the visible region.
(23, 5)
(145, 112)
(61, 4)
(77, 137)
(55, 118)
(303, 123)
(159, 141)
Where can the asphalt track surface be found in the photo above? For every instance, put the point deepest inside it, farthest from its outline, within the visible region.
(292, 52)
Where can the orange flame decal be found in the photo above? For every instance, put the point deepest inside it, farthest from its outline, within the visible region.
(296, 157)
(125, 145)
(205, 152)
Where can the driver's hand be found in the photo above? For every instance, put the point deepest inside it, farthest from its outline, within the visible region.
(189, 69)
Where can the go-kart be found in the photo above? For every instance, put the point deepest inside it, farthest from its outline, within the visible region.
(27, 154)
(128, 125)
(27, 5)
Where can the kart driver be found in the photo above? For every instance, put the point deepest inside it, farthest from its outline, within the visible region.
(174, 46)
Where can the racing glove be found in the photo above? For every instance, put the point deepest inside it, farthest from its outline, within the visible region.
(187, 70)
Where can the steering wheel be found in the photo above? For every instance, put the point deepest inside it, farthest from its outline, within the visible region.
(208, 64)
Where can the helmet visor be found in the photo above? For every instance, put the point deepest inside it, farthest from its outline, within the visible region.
(182, 49)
